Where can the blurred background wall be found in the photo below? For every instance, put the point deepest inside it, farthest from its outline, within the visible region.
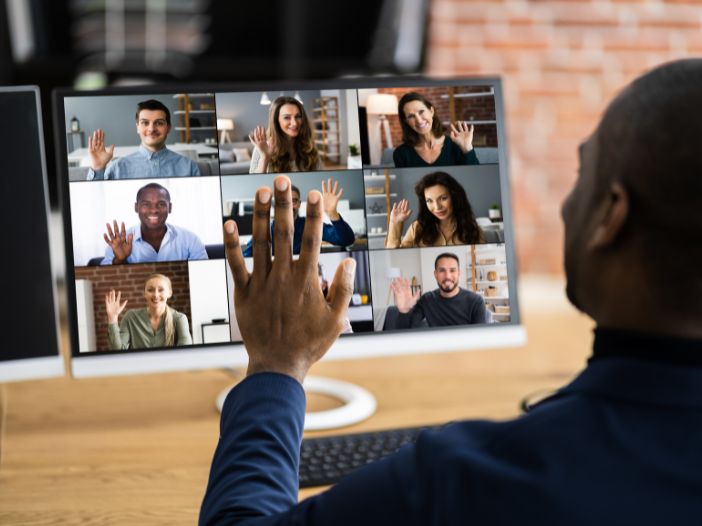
(561, 62)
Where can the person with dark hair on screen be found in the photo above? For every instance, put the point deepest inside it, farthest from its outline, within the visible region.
(338, 232)
(448, 305)
(423, 140)
(445, 216)
(156, 325)
(153, 239)
(615, 446)
(153, 159)
(288, 144)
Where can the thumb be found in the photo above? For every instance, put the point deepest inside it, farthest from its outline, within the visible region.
(111, 149)
(342, 286)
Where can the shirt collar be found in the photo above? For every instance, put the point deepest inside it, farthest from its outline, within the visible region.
(137, 232)
(658, 348)
(644, 368)
(148, 154)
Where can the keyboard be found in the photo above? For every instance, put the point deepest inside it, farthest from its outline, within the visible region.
(325, 460)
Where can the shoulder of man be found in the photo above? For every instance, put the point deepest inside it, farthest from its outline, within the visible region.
(470, 295)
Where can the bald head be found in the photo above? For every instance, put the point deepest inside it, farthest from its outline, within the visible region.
(633, 243)
(650, 140)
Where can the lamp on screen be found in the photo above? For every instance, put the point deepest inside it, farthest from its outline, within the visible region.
(383, 104)
(224, 125)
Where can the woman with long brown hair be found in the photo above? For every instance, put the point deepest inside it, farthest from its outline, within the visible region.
(424, 142)
(288, 144)
(445, 216)
(156, 325)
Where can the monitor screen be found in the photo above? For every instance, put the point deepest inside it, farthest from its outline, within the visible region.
(31, 345)
(415, 182)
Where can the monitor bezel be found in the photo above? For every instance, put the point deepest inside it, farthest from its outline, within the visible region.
(362, 345)
(50, 366)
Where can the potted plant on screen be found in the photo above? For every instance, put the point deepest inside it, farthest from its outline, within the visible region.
(494, 213)
(354, 158)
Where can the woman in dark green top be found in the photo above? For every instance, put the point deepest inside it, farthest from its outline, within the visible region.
(157, 325)
(424, 142)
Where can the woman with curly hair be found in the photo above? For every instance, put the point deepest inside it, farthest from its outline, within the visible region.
(287, 145)
(445, 216)
(423, 140)
(156, 325)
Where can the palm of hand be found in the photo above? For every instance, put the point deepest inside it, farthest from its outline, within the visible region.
(100, 157)
(263, 143)
(118, 240)
(121, 248)
(331, 201)
(113, 305)
(400, 212)
(402, 292)
(462, 135)
(99, 154)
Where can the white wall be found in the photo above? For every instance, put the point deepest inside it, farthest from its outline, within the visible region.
(208, 294)
(85, 315)
(374, 132)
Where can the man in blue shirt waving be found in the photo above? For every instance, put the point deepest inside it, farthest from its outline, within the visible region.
(338, 232)
(153, 239)
(153, 159)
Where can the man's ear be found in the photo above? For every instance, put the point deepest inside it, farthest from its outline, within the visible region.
(615, 215)
(136, 207)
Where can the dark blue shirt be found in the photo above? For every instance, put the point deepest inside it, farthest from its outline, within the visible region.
(619, 445)
(337, 233)
(406, 156)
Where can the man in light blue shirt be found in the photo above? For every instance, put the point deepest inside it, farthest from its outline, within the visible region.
(153, 240)
(153, 159)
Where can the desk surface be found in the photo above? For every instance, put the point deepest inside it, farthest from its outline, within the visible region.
(136, 450)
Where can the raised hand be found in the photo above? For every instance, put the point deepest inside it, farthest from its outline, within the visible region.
(462, 135)
(402, 293)
(400, 211)
(286, 322)
(260, 139)
(114, 306)
(331, 193)
(99, 155)
(119, 241)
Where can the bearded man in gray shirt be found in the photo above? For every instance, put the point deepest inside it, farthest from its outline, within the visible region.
(447, 305)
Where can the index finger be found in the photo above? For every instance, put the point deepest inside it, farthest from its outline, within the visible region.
(235, 257)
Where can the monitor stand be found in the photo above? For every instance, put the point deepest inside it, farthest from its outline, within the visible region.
(359, 403)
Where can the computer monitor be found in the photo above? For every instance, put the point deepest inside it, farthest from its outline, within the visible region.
(150, 174)
(31, 347)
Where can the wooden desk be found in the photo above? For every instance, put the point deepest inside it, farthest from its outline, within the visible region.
(137, 450)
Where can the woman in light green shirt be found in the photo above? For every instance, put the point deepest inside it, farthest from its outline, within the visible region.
(157, 325)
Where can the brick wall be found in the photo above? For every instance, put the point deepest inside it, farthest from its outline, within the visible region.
(129, 279)
(561, 62)
(468, 109)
